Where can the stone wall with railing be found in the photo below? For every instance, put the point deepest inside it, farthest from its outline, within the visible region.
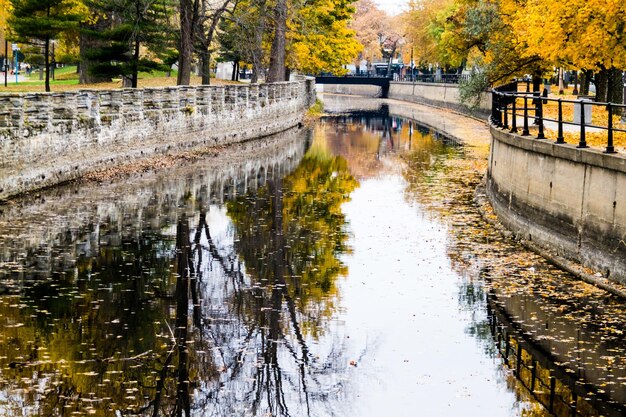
(567, 200)
(49, 138)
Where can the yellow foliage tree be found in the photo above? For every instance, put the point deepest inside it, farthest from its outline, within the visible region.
(585, 34)
(417, 27)
(370, 23)
(319, 39)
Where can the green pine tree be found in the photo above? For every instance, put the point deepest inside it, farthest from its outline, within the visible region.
(38, 22)
(138, 38)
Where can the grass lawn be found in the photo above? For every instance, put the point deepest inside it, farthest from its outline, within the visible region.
(66, 79)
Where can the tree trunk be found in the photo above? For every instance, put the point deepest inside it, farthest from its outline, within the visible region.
(537, 81)
(615, 87)
(257, 47)
(233, 75)
(85, 43)
(256, 65)
(205, 67)
(205, 55)
(185, 47)
(602, 84)
(585, 80)
(183, 254)
(615, 92)
(135, 74)
(276, 72)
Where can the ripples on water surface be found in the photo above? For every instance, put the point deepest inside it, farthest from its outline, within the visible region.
(339, 271)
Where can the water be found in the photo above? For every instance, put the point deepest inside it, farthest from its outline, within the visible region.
(337, 271)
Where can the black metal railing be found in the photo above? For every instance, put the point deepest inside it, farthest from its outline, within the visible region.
(509, 105)
(557, 387)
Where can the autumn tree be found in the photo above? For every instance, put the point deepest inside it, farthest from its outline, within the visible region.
(474, 34)
(242, 32)
(4, 14)
(369, 23)
(582, 34)
(320, 39)
(188, 25)
(211, 14)
(38, 22)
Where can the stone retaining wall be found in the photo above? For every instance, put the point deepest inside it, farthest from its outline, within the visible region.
(438, 94)
(79, 220)
(49, 138)
(567, 200)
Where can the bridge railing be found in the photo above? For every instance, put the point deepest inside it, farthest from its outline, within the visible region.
(558, 118)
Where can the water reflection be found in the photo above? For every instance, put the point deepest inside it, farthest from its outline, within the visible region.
(343, 271)
(559, 337)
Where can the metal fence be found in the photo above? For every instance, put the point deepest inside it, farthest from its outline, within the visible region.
(510, 106)
(557, 387)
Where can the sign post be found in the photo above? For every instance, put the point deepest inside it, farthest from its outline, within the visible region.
(17, 67)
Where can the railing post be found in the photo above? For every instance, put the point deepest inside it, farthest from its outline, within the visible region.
(539, 117)
(507, 346)
(559, 137)
(609, 146)
(514, 115)
(552, 393)
(518, 360)
(582, 142)
(506, 115)
(525, 131)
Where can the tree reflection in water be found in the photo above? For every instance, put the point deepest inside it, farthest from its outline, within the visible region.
(217, 311)
(245, 350)
(289, 237)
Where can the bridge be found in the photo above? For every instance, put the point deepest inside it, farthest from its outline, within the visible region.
(382, 82)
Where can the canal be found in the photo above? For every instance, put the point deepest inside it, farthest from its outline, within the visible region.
(342, 269)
